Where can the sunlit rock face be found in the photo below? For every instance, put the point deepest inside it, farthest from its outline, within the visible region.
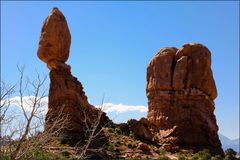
(55, 40)
(67, 100)
(181, 92)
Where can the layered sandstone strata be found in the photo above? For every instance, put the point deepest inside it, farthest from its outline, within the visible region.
(181, 92)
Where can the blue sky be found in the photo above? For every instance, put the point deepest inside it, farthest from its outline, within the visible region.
(112, 43)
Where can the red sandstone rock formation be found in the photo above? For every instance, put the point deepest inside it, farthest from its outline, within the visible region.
(180, 90)
(67, 99)
(139, 128)
(55, 40)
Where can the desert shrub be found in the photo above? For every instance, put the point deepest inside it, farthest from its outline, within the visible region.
(161, 151)
(228, 157)
(202, 155)
(66, 153)
(111, 130)
(230, 152)
(118, 131)
(3, 157)
(217, 157)
(119, 142)
(181, 157)
(43, 155)
(116, 144)
(111, 147)
(34, 155)
(131, 145)
(58, 143)
(164, 158)
(131, 135)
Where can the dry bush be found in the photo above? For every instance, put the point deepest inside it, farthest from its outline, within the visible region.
(23, 134)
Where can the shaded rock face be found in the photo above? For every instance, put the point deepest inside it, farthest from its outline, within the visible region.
(139, 128)
(67, 103)
(67, 100)
(180, 90)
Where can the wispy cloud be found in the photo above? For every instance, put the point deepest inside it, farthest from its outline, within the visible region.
(27, 103)
(120, 108)
(107, 107)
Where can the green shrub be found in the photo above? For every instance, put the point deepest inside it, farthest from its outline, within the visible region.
(182, 157)
(66, 153)
(131, 135)
(42, 155)
(230, 152)
(228, 157)
(202, 155)
(4, 157)
(132, 145)
(118, 131)
(111, 147)
(111, 130)
(162, 151)
(37, 155)
(116, 144)
(164, 158)
(217, 157)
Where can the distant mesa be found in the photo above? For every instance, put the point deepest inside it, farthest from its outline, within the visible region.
(180, 90)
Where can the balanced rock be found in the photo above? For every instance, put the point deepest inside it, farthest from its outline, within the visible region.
(55, 40)
(69, 112)
(180, 91)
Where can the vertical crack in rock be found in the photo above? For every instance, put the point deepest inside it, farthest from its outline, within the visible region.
(181, 107)
(180, 73)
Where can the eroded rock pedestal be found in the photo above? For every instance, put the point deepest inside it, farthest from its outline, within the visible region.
(68, 106)
(180, 90)
(69, 112)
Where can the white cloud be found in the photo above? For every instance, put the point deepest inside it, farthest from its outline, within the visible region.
(120, 108)
(28, 102)
(107, 107)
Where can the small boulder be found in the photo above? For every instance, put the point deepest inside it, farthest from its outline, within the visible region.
(143, 146)
(140, 129)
